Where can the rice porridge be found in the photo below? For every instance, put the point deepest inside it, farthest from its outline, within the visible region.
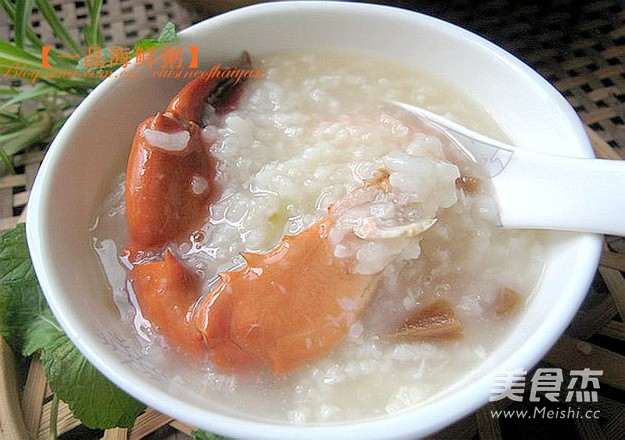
(314, 140)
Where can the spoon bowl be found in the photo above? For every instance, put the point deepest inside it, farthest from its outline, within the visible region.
(538, 190)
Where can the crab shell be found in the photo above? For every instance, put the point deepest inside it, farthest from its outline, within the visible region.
(286, 308)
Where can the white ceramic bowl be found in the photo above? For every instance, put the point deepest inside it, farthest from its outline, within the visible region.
(93, 145)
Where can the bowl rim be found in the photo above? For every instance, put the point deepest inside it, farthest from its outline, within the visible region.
(398, 425)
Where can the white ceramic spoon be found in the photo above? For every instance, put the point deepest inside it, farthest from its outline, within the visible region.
(543, 191)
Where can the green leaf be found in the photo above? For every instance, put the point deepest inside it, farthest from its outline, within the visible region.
(7, 328)
(10, 117)
(20, 305)
(31, 93)
(143, 45)
(38, 335)
(8, 91)
(15, 53)
(58, 124)
(21, 301)
(166, 38)
(15, 264)
(9, 9)
(47, 10)
(91, 397)
(168, 33)
(18, 63)
(202, 435)
(23, 11)
(6, 160)
(29, 326)
(14, 141)
(93, 33)
(104, 61)
(16, 126)
(55, 56)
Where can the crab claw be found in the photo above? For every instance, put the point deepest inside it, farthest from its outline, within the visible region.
(169, 183)
(170, 179)
(222, 93)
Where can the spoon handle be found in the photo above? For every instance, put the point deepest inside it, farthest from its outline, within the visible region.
(541, 191)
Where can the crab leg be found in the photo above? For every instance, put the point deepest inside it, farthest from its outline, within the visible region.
(170, 174)
(166, 290)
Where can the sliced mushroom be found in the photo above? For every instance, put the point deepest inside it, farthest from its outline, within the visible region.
(508, 301)
(436, 322)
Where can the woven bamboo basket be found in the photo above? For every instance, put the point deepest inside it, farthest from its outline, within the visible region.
(577, 46)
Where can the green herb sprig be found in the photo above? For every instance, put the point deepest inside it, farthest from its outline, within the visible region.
(32, 114)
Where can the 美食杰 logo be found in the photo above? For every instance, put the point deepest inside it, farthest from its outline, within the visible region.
(581, 387)
(549, 386)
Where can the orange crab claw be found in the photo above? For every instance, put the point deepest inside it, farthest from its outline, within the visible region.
(222, 93)
(166, 290)
(170, 178)
(169, 183)
(186, 106)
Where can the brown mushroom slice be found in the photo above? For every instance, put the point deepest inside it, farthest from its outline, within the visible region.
(436, 322)
(509, 301)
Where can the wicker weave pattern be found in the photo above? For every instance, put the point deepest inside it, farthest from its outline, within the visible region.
(123, 21)
(15, 190)
(578, 46)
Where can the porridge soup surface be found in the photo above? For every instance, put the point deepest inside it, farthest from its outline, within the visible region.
(303, 138)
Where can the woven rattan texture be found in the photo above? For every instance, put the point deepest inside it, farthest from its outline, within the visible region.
(579, 46)
(123, 21)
